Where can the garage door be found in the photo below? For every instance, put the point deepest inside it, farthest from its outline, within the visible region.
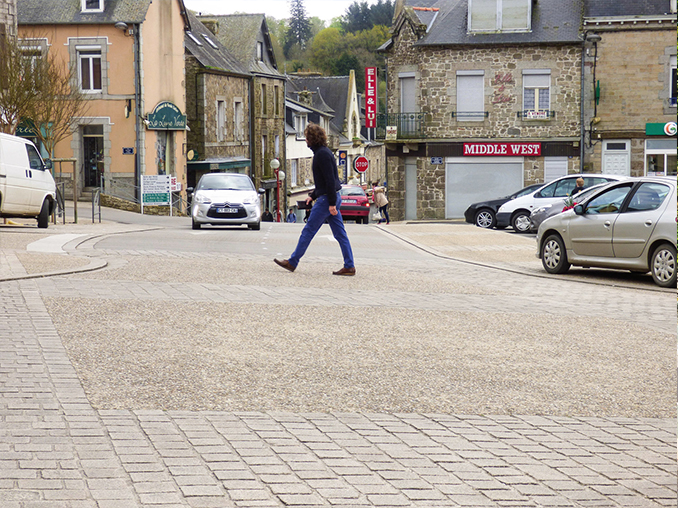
(468, 182)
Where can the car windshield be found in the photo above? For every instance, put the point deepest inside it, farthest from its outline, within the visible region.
(352, 191)
(225, 181)
(527, 190)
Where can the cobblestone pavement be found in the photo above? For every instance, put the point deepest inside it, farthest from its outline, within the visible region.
(58, 451)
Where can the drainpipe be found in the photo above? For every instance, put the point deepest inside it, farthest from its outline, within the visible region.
(137, 107)
(252, 119)
(582, 107)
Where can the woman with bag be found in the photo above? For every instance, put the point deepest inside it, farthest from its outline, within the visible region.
(379, 196)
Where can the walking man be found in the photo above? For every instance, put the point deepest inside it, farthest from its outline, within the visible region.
(327, 203)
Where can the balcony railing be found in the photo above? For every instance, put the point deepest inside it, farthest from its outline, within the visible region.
(405, 125)
(536, 115)
(470, 116)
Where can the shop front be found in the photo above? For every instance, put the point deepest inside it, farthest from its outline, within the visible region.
(660, 149)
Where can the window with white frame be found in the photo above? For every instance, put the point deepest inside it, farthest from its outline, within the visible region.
(471, 95)
(92, 5)
(221, 120)
(673, 81)
(673, 5)
(90, 70)
(294, 169)
(238, 120)
(536, 94)
(300, 122)
(499, 15)
(276, 146)
(260, 51)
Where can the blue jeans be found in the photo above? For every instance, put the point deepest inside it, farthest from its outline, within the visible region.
(319, 214)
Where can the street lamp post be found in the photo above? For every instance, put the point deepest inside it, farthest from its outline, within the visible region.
(279, 177)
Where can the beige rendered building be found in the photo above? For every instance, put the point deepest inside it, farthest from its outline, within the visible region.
(129, 56)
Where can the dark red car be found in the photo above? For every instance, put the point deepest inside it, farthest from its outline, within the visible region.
(354, 204)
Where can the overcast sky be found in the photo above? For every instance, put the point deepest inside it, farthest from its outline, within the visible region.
(279, 9)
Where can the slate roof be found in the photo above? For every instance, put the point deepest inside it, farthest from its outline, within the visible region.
(332, 93)
(208, 56)
(553, 21)
(239, 33)
(60, 12)
(608, 8)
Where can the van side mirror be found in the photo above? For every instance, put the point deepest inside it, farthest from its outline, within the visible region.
(579, 209)
(48, 164)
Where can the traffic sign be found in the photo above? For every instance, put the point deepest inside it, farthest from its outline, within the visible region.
(361, 163)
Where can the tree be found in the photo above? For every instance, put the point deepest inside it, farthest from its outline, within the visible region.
(299, 31)
(361, 16)
(40, 90)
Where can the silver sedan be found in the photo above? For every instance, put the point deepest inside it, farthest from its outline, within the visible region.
(629, 225)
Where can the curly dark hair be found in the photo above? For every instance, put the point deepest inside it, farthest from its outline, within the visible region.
(315, 135)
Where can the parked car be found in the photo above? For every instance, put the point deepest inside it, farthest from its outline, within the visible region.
(516, 213)
(542, 213)
(484, 213)
(628, 225)
(27, 188)
(354, 204)
(226, 199)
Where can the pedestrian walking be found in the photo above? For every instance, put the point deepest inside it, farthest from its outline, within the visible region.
(267, 216)
(291, 217)
(327, 203)
(379, 197)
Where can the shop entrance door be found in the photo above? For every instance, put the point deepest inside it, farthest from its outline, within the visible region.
(93, 154)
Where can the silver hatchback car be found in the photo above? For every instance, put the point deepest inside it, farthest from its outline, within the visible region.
(226, 199)
(628, 225)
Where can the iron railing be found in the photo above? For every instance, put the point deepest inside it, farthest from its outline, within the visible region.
(60, 208)
(541, 114)
(96, 205)
(470, 115)
(405, 125)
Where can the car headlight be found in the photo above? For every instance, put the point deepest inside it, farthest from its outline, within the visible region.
(251, 200)
(202, 199)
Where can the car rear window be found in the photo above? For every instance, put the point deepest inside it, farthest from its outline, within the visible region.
(352, 191)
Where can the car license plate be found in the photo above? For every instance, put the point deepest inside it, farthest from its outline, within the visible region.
(227, 210)
(349, 201)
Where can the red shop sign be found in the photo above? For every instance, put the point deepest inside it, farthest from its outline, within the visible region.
(502, 149)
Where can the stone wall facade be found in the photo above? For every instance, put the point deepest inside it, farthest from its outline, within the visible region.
(435, 72)
(269, 123)
(8, 20)
(633, 66)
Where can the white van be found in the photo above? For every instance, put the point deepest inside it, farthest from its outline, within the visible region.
(516, 213)
(27, 188)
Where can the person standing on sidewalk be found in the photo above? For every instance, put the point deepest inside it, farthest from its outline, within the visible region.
(327, 203)
(379, 197)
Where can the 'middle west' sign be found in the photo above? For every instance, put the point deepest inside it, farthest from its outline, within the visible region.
(503, 149)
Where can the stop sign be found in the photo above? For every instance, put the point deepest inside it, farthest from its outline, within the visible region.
(361, 163)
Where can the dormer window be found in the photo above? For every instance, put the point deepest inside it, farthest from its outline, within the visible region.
(499, 15)
(260, 51)
(92, 5)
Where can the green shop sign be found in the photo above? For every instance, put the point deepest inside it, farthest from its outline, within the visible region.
(661, 129)
(166, 116)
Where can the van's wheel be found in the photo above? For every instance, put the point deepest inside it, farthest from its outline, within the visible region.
(663, 265)
(43, 218)
(521, 222)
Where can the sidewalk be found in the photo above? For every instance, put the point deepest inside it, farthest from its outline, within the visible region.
(57, 451)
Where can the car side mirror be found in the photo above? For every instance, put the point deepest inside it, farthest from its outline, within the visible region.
(189, 190)
(579, 209)
(48, 164)
(261, 191)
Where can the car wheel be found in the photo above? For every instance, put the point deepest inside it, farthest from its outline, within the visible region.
(521, 222)
(43, 218)
(663, 265)
(255, 227)
(195, 225)
(554, 255)
(485, 219)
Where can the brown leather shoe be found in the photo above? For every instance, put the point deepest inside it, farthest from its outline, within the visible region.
(345, 271)
(285, 264)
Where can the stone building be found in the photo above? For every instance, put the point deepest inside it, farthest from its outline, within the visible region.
(217, 106)
(483, 99)
(247, 38)
(630, 87)
(8, 19)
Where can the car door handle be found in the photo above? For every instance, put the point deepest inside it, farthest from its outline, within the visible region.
(648, 222)
(607, 224)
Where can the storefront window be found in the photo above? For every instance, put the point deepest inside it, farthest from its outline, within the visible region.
(660, 157)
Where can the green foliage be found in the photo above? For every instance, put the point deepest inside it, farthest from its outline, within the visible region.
(299, 31)
(361, 16)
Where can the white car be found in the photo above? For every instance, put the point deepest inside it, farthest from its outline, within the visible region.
(627, 225)
(27, 188)
(228, 199)
(516, 213)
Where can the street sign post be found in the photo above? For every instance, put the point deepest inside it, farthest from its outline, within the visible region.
(155, 190)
